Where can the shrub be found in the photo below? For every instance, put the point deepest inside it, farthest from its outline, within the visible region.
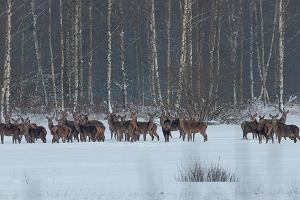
(196, 172)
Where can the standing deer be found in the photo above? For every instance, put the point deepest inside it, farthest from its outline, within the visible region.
(166, 128)
(144, 128)
(100, 136)
(192, 127)
(34, 133)
(283, 117)
(249, 127)
(85, 130)
(283, 130)
(10, 130)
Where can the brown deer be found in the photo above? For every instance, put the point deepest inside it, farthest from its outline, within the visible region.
(144, 128)
(63, 121)
(283, 130)
(119, 128)
(84, 130)
(10, 130)
(175, 124)
(283, 117)
(192, 127)
(35, 133)
(61, 132)
(249, 127)
(166, 128)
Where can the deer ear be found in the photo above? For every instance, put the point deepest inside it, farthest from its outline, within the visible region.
(287, 111)
(277, 115)
(270, 115)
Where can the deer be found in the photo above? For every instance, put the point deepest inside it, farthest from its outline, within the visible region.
(147, 128)
(100, 136)
(117, 128)
(175, 124)
(166, 128)
(249, 127)
(58, 131)
(283, 117)
(85, 130)
(192, 127)
(10, 130)
(63, 121)
(35, 133)
(283, 130)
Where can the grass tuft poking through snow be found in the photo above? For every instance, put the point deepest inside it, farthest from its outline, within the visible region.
(197, 172)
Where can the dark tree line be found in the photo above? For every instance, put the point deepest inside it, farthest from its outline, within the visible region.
(186, 55)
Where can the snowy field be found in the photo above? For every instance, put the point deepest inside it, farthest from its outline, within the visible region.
(147, 170)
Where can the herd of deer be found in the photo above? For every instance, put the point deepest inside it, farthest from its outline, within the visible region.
(81, 128)
(267, 128)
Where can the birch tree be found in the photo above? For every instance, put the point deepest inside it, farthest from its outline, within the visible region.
(122, 59)
(168, 27)
(281, 30)
(241, 13)
(76, 55)
(38, 52)
(234, 31)
(62, 64)
(90, 79)
(251, 51)
(182, 56)
(51, 55)
(153, 52)
(5, 91)
(80, 64)
(109, 52)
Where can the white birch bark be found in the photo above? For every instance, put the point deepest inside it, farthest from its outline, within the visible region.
(122, 60)
(51, 55)
(281, 29)
(62, 64)
(38, 52)
(5, 92)
(109, 52)
(80, 50)
(154, 61)
(182, 57)
(76, 55)
(90, 79)
(251, 52)
(168, 27)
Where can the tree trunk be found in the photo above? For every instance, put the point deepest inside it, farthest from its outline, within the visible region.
(154, 61)
(62, 65)
(168, 27)
(241, 13)
(37, 51)
(182, 57)
(51, 57)
(90, 80)
(281, 29)
(251, 51)
(76, 55)
(20, 97)
(109, 52)
(5, 92)
(80, 50)
(122, 60)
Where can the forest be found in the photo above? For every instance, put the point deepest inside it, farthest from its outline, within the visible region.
(200, 57)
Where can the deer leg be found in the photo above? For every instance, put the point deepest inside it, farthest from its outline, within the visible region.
(2, 138)
(279, 139)
(204, 135)
(194, 137)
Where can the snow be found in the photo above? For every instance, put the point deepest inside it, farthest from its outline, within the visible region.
(147, 170)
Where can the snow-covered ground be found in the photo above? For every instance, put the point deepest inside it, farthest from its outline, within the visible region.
(147, 170)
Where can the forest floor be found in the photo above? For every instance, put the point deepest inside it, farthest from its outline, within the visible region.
(147, 170)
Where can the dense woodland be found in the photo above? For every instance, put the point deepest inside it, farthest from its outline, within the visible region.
(195, 56)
